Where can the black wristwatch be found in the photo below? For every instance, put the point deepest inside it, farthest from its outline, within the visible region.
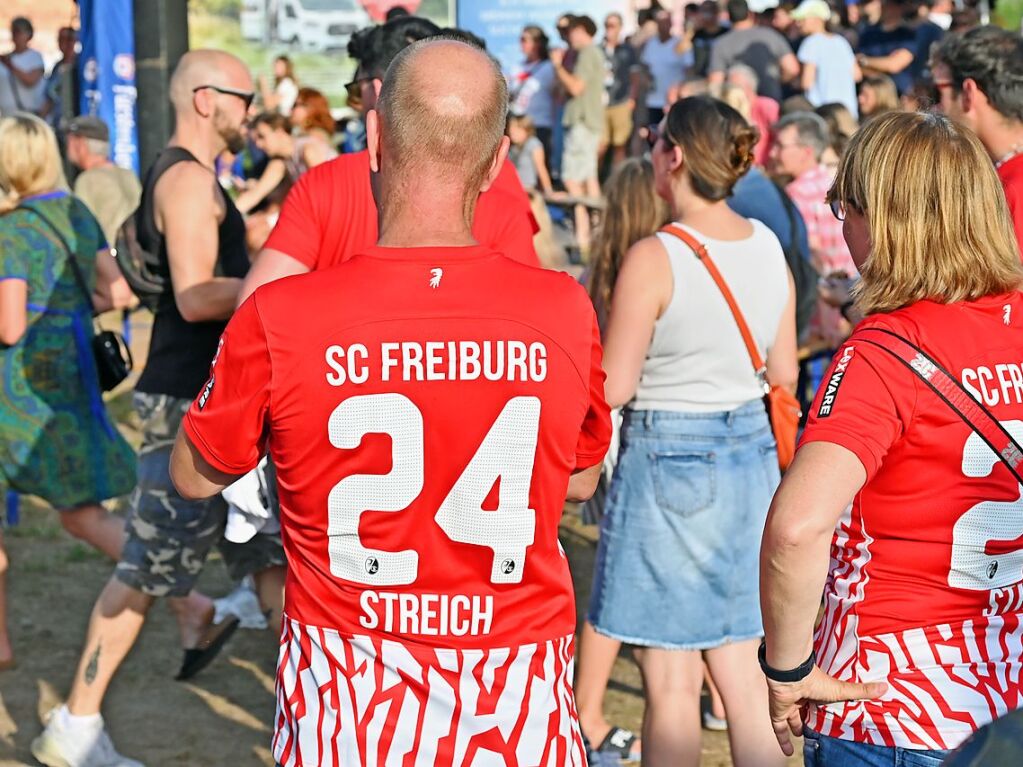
(799, 673)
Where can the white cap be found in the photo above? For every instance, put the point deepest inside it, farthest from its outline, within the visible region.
(812, 9)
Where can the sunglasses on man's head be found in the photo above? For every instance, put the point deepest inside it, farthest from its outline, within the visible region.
(247, 96)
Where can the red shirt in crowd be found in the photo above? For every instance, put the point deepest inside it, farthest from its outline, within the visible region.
(424, 414)
(330, 215)
(1011, 175)
(926, 584)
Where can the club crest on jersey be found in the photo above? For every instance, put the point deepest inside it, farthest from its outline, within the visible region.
(831, 391)
(372, 565)
(435, 275)
(508, 566)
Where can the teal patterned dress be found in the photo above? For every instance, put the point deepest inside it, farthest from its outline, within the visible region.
(56, 440)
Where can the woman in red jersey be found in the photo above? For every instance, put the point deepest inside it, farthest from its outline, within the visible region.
(919, 643)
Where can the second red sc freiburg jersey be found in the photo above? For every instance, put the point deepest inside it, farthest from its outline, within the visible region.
(424, 408)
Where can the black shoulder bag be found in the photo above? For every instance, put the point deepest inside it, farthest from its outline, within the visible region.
(113, 357)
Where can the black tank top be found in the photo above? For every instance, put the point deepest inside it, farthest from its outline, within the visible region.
(180, 352)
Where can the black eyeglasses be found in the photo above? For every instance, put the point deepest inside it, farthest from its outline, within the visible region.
(839, 208)
(247, 96)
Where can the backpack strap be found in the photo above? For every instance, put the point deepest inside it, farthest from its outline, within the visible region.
(701, 253)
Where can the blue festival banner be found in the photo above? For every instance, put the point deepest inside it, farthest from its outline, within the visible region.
(106, 68)
(500, 22)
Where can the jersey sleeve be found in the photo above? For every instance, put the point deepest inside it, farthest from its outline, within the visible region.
(864, 403)
(504, 222)
(227, 422)
(1014, 199)
(298, 232)
(595, 435)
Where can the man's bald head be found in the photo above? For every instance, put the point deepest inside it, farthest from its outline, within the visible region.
(206, 67)
(442, 107)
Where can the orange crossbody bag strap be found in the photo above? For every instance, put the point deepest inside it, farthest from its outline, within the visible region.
(702, 254)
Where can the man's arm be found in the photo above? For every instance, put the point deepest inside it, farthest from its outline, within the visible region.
(189, 206)
(269, 265)
(808, 76)
(789, 65)
(583, 483)
(27, 77)
(192, 474)
(891, 64)
(572, 84)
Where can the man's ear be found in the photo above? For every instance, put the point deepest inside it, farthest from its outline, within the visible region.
(498, 162)
(373, 139)
(971, 95)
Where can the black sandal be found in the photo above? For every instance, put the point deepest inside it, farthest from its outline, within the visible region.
(618, 741)
(199, 657)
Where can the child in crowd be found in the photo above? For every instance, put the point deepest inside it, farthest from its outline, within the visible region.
(527, 155)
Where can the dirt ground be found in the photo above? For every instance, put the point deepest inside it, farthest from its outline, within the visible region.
(224, 716)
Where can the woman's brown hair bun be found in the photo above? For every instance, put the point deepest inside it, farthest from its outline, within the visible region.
(716, 141)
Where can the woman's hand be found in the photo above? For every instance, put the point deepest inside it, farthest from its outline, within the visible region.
(787, 700)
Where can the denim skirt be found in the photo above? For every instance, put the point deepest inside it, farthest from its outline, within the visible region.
(678, 559)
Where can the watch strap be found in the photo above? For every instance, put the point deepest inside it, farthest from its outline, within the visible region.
(797, 674)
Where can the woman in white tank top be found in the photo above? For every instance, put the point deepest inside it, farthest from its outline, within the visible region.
(677, 562)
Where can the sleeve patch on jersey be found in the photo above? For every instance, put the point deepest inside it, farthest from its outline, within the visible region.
(831, 390)
(206, 390)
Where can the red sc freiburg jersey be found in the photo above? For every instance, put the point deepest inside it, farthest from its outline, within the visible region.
(926, 584)
(425, 408)
(330, 215)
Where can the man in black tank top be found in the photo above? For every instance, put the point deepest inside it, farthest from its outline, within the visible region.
(199, 236)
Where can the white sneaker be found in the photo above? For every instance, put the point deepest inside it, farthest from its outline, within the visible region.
(64, 744)
(714, 723)
(243, 603)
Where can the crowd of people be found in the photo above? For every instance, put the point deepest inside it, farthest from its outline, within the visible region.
(744, 192)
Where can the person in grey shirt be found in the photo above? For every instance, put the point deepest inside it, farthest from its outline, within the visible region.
(762, 49)
(110, 192)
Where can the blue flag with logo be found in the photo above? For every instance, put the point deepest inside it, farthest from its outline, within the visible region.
(106, 69)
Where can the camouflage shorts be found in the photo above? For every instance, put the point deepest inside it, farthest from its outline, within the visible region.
(169, 538)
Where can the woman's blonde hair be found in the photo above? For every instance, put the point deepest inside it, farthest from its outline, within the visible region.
(29, 159)
(737, 99)
(939, 225)
(633, 211)
(886, 96)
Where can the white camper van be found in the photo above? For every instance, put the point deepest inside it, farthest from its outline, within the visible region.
(319, 25)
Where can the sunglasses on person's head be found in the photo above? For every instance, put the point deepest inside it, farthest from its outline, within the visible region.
(247, 96)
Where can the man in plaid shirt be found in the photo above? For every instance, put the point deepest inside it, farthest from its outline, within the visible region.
(800, 140)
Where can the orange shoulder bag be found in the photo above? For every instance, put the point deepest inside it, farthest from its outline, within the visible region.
(782, 408)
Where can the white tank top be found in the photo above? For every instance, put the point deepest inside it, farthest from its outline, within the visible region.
(697, 360)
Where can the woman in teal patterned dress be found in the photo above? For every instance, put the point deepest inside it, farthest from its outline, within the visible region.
(56, 440)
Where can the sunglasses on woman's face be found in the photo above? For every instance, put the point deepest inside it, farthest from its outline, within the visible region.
(655, 134)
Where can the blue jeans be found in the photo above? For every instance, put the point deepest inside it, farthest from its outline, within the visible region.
(823, 751)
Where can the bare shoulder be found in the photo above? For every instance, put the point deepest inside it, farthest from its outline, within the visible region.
(188, 185)
(648, 256)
